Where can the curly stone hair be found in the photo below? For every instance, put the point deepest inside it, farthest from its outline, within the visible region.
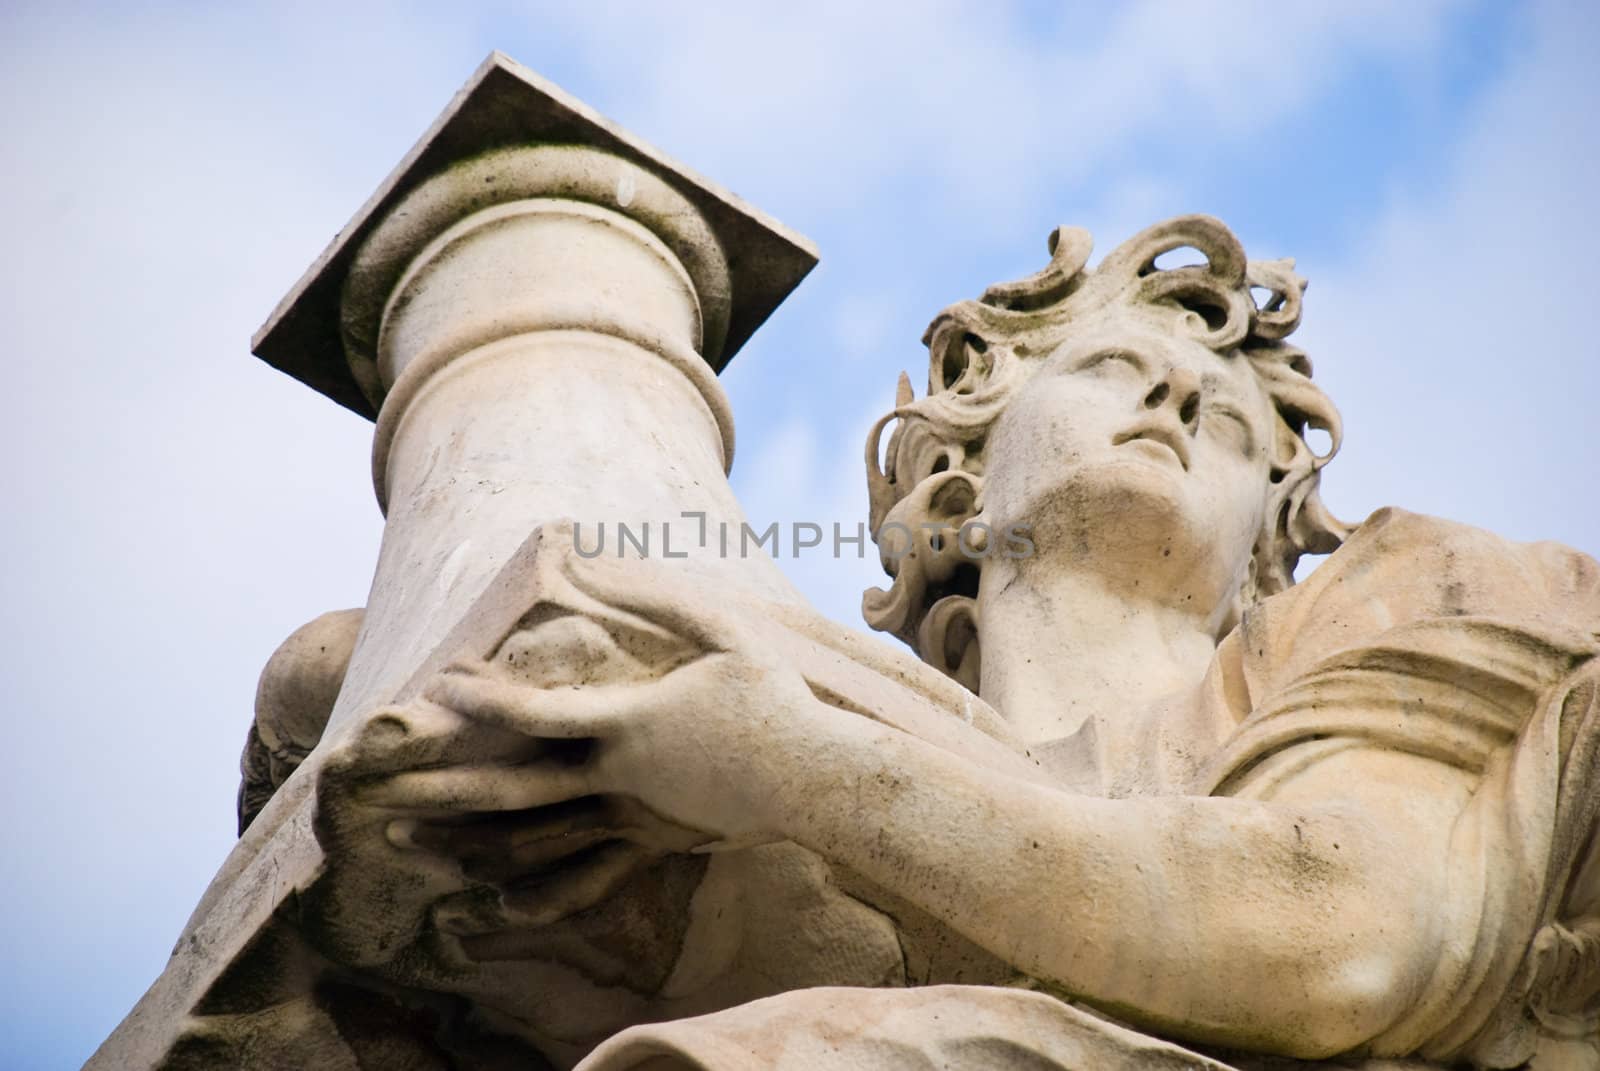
(981, 352)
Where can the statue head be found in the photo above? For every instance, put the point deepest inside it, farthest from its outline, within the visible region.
(1137, 419)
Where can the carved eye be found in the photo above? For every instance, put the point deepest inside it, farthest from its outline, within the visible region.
(1113, 362)
(1229, 425)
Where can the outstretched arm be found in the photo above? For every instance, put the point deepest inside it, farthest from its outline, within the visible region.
(1296, 928)
(1280, 926)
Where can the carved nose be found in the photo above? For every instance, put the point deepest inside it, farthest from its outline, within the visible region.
(1180, 388)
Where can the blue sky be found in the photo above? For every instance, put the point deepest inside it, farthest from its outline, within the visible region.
(177, 507)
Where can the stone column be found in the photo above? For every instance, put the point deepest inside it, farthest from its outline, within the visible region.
(533, 307)
(530, 325)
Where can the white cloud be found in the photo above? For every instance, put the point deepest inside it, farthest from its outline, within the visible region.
(1458, 340)
(822, 106)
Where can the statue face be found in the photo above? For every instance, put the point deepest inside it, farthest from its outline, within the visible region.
(1142, 451)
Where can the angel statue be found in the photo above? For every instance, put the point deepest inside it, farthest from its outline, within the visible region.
(1186, 813)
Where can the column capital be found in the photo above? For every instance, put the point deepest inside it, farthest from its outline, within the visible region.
(505, 105)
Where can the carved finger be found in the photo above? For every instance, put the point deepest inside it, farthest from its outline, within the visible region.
(589, 879)
(498, 848)
(593, 878)
(423, 734)
(560, 713)
(456, 790)
(532, 857)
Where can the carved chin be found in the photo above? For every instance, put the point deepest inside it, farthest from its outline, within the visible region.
(1135, 481)
(1130, 505)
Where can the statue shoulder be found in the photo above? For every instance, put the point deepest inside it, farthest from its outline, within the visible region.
(1400, 568)
(1426, 641)
(1391, 531)
(1419, 634)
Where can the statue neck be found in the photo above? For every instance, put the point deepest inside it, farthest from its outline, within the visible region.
(1065, 652)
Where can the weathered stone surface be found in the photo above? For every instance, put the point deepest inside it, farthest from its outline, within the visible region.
(503, 105)
(1143, 802)
(533, 305)
(1350, 820)
(294, 698)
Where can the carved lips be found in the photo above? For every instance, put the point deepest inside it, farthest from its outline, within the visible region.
(1161, 433)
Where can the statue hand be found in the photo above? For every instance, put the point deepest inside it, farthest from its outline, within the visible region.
(706, 748)
(510, 796)
(391, 838)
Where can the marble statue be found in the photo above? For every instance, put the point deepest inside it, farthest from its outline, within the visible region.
(1140, 800)
(1353, 817)
(1349, 816)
